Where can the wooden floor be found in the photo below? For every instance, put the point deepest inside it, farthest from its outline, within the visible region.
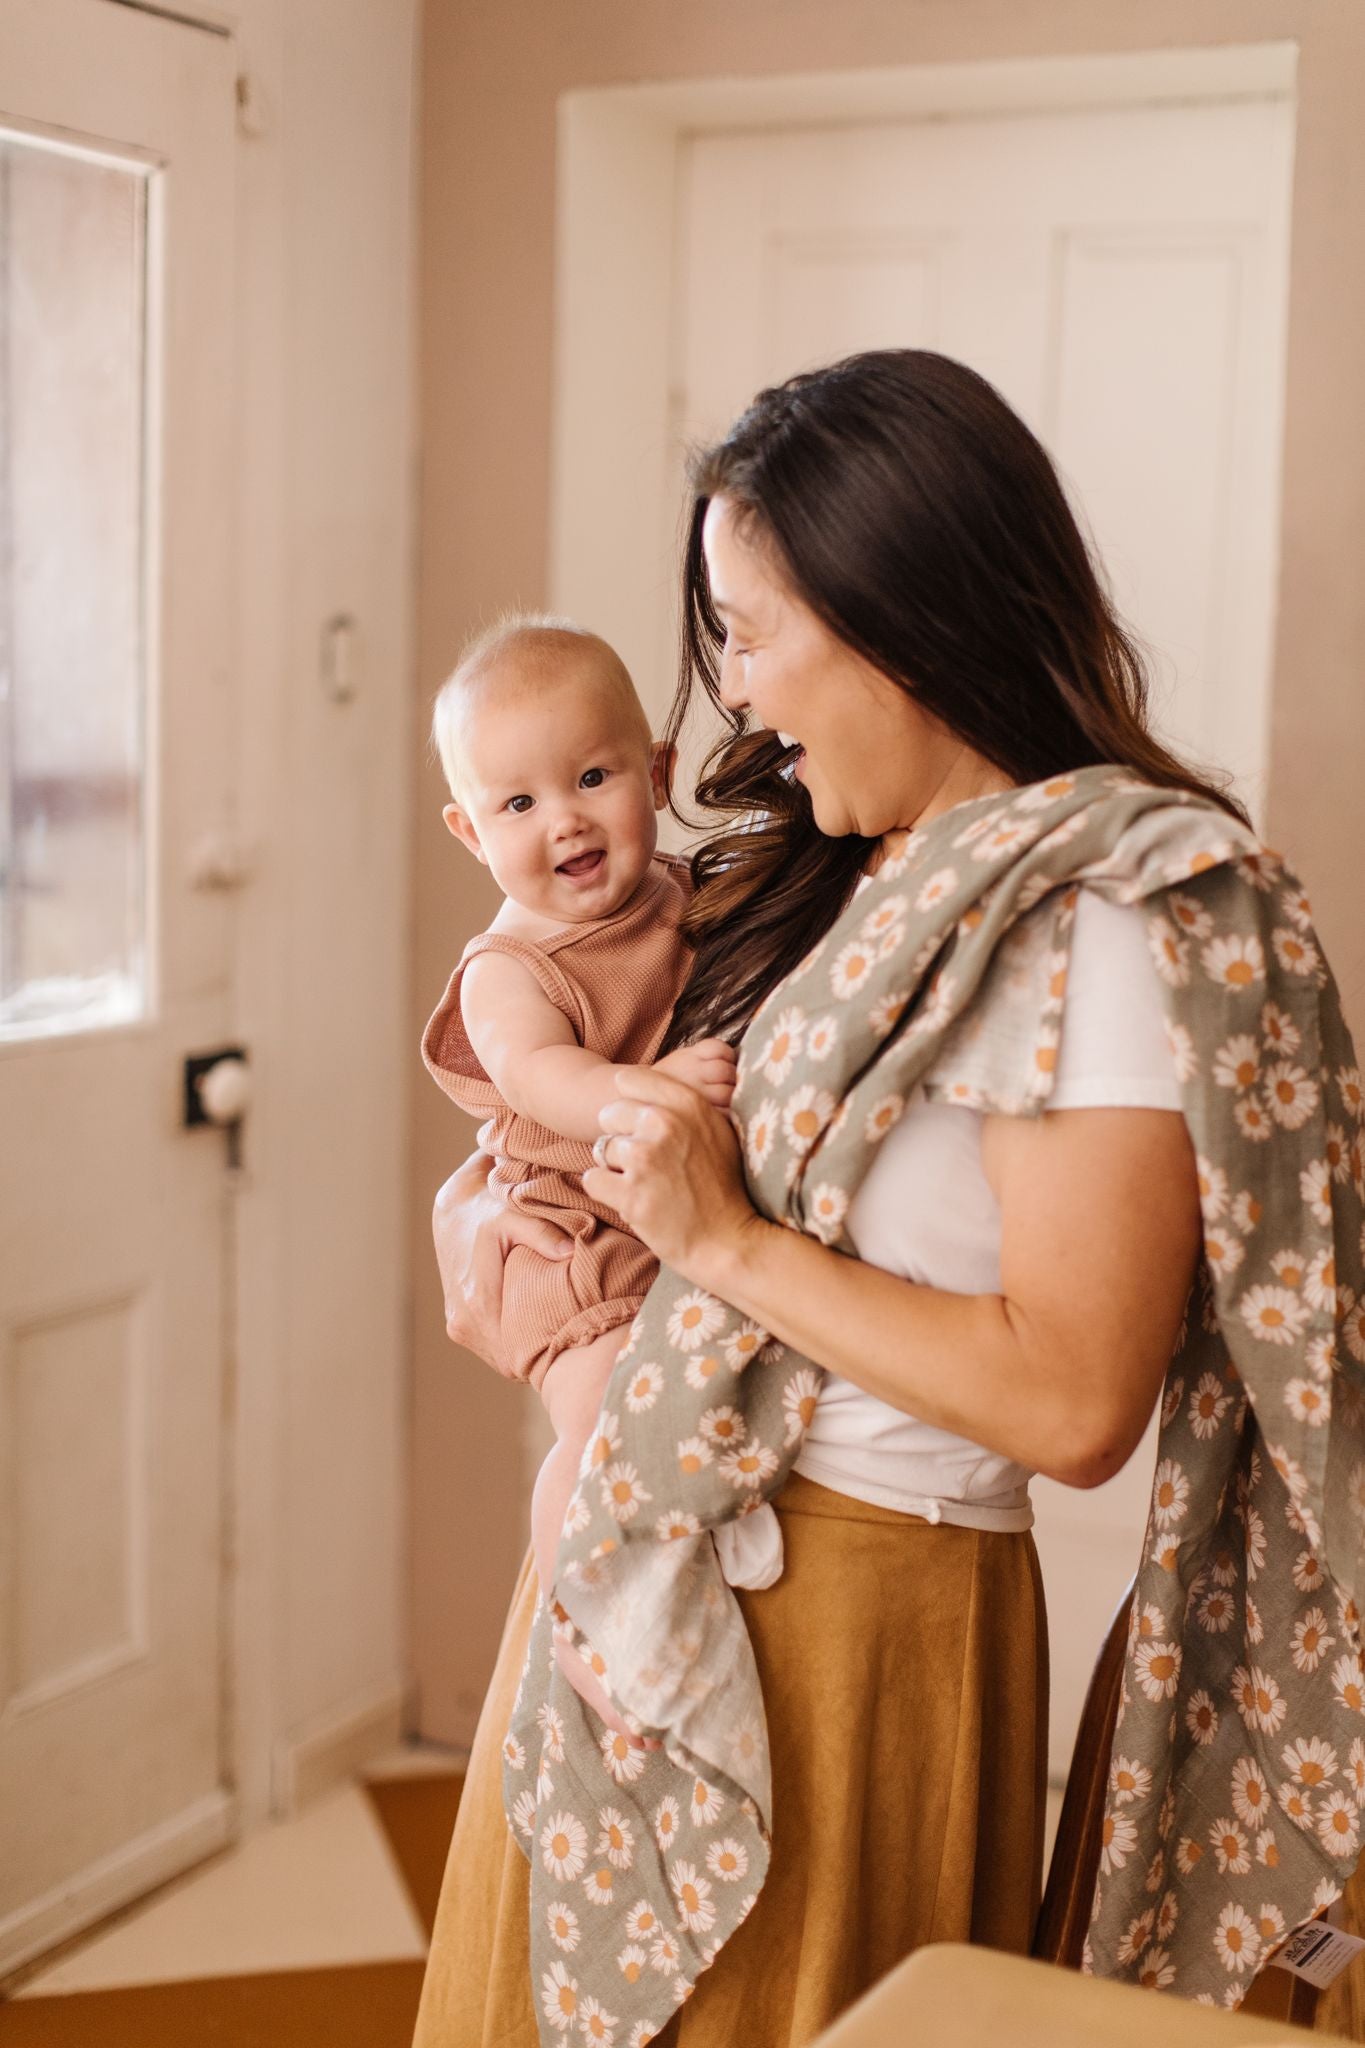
(357, 2005)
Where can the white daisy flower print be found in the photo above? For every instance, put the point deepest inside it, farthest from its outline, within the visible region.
(1250, 1793)
(1169, 951)
(667, 1819)
(1355, 1770)
(1261, 868)
(1229, 1847)
(727, 1860)
(1270, 1925)
(1337, 1153)
(1315, 1187)
(616, 1841)
(886, 1012)
(1157, 1971)
(631, 1963)
(826, 1210)
(646, 1385)
(1308, 1572)
(604, 1443)
(1353, 1329)
(821, 1038)
(596, 2025)
(883, 1116)
(513, 1752)
(808, 1110)
(1216, 1612)
(850, 969)
(641, 1921)
(1118, 1840)
(1320, 1279)
(1273, 1314)
(524, 1813)
(799, 1398)
(1297, 907)
(1237, 1063)
(563, 1846)
(1325, 1894)
(1158, 1668)
(551, 1725)
(888, 914)
(623, 1492)
(1129, 1782)
(1188, 1855)
(693, 1894)
(1295, 953)
(1234, 962)
(938, 885)
(1258, 1699)
(759, 1134)
(620, 1757)
(1170, 1494)
(1346, 1683)
(782, 1046)
(694, 1453)
(559, 1997)
(599, 1885)
(694, 1320)
(1294, 1804)
(562, 1922)
(722, 1427)
(1209, 1403)
(1246, 1212)
(664, 1953)
(1352, 1090)
(578, 1514)
(1253, 1120)
(1201, 1718)
(675, 1526)
(705, 1804)
(700, 1370)
(1290, 1096)
(748, 1464)
(1236, 1939)
(743, 1345)
(545, 1784)
(1338, 1824)
(1213, 1188)
(1190, 915)
(1311, 1640)
(1136, 1936)
(1308, 1402)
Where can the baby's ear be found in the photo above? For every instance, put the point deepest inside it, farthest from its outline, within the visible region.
(462, 825)
(663, 764)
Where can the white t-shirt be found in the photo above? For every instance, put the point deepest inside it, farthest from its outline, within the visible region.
(925, 1210)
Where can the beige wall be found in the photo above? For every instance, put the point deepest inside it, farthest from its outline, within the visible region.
(491, 79)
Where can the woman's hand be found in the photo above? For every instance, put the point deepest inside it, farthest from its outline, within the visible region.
(673, 1172)
(474, 1229)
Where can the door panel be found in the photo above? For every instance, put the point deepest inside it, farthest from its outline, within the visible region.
(116, 744)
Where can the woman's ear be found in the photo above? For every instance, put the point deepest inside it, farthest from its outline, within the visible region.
(663, 764)
(462, 825)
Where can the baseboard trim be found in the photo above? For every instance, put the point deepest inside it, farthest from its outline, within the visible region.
(115, 1880)
(333, 1746)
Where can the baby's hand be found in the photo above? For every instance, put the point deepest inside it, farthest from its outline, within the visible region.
(708, 1066)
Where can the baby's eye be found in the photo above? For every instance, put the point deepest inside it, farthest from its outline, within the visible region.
(592, 778)
(520, 803)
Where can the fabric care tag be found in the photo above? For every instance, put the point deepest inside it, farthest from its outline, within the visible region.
(1318, 1953)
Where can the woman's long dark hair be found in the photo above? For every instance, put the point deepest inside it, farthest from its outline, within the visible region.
(915, 513)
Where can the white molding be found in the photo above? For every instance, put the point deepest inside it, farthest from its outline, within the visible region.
(334, 1746)
(127, 1873)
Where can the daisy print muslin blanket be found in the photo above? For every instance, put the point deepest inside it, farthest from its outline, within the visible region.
(1238, 1771)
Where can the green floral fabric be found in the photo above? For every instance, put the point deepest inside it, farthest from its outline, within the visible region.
(1238, 1772)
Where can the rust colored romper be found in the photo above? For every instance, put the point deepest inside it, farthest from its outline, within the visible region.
(616, 980)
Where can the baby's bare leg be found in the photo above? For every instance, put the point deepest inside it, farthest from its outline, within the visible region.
(572, 1391)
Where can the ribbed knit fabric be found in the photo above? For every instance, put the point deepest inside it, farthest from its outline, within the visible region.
(616, 980)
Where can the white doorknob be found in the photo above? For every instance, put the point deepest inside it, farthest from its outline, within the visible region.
(225, 1091)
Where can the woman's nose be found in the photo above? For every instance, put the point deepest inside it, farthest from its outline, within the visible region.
(730, 683)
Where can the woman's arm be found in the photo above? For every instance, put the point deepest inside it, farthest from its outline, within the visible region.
(1100, 1234)
(473, 1229)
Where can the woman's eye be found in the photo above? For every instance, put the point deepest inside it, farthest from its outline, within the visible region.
(520, 803)
(592, 778)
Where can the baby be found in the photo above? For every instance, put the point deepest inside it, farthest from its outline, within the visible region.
(555, 783)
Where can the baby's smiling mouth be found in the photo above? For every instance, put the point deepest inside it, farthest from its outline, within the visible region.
(583, 864)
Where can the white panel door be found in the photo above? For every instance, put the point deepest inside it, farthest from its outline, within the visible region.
(116, 743)
(1121, 276)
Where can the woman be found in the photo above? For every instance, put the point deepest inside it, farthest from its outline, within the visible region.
(883, 576)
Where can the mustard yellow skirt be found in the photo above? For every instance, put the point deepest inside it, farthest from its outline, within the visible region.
(904, 1670)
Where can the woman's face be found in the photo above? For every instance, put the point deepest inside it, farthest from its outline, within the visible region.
(872, 759)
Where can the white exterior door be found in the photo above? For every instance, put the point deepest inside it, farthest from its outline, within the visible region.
(1121, 276)
(116, 749)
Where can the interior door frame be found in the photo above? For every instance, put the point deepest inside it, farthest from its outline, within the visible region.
(616, 241)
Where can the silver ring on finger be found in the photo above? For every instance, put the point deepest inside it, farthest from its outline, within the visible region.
(599, 1149)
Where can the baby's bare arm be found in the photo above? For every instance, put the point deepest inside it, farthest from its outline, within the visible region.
(528, 1051)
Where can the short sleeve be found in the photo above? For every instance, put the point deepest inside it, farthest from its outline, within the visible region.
(1114, 1051)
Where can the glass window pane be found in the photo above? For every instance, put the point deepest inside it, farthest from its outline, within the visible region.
(72, 655)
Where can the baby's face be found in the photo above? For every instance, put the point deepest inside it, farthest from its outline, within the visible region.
(559, 797)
